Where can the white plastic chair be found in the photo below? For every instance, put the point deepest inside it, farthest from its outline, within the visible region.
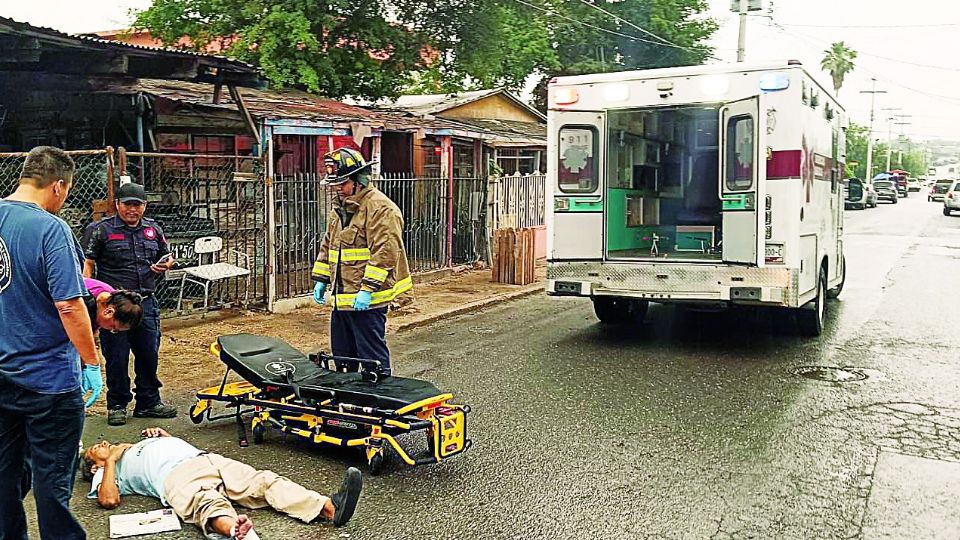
(206, 275)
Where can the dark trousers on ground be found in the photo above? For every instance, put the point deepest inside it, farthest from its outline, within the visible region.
(360, 334)
(44, 428)
(144, 341)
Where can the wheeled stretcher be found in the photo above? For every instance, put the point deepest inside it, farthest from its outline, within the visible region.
(304, 396)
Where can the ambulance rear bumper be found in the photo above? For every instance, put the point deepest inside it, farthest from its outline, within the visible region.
(716, 284)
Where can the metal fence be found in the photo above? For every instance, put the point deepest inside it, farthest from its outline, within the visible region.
(518, 201)
(87, 198)
(197, 196)
(302, 205)
(422, 202)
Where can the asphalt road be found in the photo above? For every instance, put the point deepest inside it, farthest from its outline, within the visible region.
(695, 425)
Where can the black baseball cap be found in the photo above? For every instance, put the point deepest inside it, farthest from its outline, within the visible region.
(131, 192)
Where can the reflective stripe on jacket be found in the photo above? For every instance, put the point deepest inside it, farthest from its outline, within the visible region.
(368, 252)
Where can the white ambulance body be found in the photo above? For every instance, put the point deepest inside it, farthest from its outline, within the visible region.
(707, 185)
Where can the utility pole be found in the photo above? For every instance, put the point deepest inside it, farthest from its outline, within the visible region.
(900, 149)
(873, 94)
(742, 41)
(890, 120)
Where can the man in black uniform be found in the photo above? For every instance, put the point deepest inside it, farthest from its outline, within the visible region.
(129, 251)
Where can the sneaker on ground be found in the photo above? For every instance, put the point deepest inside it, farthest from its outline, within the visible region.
(345, 500)
(117, 416)
(160, 410)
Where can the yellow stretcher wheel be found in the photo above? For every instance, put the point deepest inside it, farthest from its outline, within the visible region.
(196, 412)
(375, 459)
(258, 432)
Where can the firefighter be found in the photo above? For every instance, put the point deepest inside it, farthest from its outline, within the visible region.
(361, 259)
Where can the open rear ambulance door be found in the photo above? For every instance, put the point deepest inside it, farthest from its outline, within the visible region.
(741, 189)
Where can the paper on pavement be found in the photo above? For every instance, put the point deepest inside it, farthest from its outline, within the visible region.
(123, 525)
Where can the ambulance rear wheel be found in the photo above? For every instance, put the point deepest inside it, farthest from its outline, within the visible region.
(810, 319)
(614, 310)
(835, 292)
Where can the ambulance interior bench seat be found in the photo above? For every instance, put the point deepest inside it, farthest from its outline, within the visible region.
(206, 275)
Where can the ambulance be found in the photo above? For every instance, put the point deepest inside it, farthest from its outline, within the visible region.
(704, 185)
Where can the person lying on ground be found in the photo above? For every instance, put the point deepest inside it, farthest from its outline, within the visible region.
(200, 486)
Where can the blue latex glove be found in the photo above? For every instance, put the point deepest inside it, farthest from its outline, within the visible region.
(318, 291)
(362, 302)
(91, 380)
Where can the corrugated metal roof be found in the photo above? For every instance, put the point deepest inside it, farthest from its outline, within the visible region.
(65, 39)
(291, 105)
(431, 104)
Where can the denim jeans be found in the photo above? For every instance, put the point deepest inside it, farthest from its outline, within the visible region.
(44, 428)
(144, 341)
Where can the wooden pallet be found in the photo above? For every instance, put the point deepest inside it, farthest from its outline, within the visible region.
(514, 257)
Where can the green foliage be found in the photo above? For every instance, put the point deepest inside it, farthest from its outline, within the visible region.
(337, 48)
(380, 48)
(906, 155)
(582, 49)
(838, 61)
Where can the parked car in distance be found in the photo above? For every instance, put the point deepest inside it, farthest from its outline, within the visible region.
(900, 182)
(939, 189)
(913, 184)
(886, 190)
(858, 195)
(951, 200)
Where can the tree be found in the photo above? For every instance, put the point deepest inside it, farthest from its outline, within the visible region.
(678, 27)
(838, 61)
(334, 48)
(364, 48)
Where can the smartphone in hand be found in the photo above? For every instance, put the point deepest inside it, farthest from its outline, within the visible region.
(164, 259)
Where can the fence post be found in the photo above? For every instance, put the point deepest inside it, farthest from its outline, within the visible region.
(111, 206)
(447, 161)
(271, 214)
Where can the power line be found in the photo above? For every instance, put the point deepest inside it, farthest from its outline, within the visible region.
(628, 23)
(588, 25)
(931, 66)
(887, 26)
(663, 41)
(955, 100)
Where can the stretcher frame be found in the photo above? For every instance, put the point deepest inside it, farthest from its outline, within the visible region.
(334, 423)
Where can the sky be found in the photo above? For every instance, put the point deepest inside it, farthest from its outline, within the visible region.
(909, 47)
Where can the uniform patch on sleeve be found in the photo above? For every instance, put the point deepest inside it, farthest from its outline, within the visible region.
(150, 233)
(6, 266)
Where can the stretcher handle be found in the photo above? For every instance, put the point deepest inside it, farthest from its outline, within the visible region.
(376, 364)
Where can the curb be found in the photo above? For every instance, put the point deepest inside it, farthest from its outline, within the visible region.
(476, 305)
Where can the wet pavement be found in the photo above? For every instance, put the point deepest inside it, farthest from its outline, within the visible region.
(695, 425)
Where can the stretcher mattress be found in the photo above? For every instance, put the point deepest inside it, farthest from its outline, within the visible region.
(264, 361)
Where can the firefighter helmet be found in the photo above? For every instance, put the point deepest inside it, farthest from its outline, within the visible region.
(344, 163)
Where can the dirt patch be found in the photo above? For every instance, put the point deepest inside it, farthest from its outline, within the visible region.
(186, 364)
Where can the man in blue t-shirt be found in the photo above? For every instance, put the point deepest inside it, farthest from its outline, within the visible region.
(199, 486)
(44, 336)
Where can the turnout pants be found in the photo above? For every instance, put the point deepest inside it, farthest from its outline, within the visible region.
(144, 341)
(360, 334)
(39, 439)
(201, 489)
